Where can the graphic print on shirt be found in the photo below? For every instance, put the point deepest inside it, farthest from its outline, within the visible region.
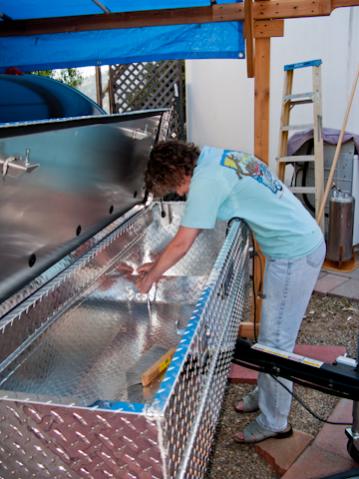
(248, 165)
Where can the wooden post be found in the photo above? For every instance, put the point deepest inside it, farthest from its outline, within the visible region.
(261, 99)
(261, 138)
(98, 85)
(248, 33)
(111, 97)
(261, 150)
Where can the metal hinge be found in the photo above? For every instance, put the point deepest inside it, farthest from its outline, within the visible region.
(17, 163)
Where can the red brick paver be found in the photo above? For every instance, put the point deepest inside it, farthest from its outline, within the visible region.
(316, 463)
(327, 454)
(281, 454)
(326, 353)
(241, 375)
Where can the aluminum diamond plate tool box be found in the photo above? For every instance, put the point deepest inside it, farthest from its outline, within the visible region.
(75, 223)
(67, 406)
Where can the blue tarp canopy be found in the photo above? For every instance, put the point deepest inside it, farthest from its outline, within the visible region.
(112, 46)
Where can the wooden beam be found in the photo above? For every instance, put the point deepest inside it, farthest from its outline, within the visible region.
(248, 33)
(246, 330)
(268, 28)
(151, 18)
(227, 12)
(291, 9)
(262, 10)
(344, 3)
(261, 140)
(261, 99)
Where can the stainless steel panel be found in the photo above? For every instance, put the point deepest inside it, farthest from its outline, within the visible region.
(99, 326)
(90, 171)
(65, 262)
(340, 229)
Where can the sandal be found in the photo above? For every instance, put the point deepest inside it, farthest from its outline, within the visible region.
(249, 403)
(254, 433)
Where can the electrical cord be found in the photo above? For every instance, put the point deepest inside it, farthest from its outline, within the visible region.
(307, 408)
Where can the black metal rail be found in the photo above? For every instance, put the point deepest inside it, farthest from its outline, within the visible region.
(336, 379)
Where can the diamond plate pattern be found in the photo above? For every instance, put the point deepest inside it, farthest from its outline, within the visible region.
(80, 350)
(36, 311)
(198, 394)
(51, 441)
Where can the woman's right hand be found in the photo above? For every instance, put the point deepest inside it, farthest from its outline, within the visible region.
(145, 268)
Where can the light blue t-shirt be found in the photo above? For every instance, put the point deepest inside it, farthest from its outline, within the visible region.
(227, 184)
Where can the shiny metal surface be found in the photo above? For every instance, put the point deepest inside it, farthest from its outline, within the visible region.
(340, 228)
(46, 441)
(90, 172)
(74, 341)
(14, 300)
(28, 319)
(194, 398)
(87, 358)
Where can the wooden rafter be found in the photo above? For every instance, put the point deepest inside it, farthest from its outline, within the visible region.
(262, 10)
(214, 13)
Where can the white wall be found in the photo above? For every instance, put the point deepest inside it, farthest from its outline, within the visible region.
(219, 104)
(220, 96)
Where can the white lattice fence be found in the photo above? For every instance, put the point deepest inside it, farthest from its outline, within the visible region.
(144, 86)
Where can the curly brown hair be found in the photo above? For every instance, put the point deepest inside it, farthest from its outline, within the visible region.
(169, 162)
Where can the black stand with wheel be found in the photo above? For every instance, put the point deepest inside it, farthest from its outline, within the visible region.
(338, 379)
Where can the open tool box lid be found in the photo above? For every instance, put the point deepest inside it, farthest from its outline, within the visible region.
(64, 179)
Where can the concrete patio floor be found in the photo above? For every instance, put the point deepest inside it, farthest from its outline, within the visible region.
(338, 282)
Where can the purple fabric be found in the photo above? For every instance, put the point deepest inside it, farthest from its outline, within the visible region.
(330, 136)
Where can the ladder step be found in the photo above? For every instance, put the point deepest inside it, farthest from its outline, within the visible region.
(300, 102)
(310, 63)
(297, 127)
(300, 98)
(302, 189)
(290, 101)
(297, 96)
(296, 158)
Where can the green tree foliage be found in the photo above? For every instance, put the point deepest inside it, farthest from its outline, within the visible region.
(70, 76)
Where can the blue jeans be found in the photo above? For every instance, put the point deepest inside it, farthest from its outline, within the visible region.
(288, 285)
